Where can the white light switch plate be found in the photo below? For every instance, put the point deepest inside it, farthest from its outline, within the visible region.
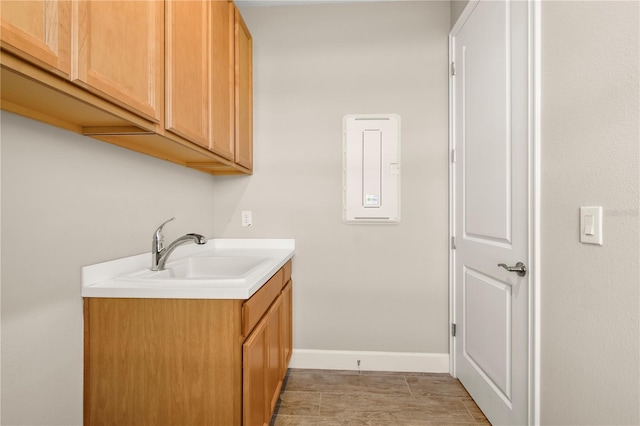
(591, 225)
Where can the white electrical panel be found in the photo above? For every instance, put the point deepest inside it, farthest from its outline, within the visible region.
(371, 169)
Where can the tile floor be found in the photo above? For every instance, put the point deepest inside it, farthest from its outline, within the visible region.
(349, 398)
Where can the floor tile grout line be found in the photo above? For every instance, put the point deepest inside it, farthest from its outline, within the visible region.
(408, 386)
(475, 421)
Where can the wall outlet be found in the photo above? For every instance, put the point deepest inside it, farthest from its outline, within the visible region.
(246, 218)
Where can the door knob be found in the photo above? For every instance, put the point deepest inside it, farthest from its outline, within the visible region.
(519, 269)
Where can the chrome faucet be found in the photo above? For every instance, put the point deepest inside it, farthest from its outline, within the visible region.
(160, 254)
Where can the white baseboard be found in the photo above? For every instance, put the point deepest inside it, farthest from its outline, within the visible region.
(370, 361)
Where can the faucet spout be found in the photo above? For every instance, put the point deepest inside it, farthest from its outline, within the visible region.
(160, 254)
(188, 238)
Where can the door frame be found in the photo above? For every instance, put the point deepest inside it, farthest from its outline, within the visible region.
(533, 262)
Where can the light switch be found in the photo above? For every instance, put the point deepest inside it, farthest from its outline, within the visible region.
(591, 225)
(588, 225)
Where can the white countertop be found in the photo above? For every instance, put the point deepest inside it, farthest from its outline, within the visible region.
(108, 279)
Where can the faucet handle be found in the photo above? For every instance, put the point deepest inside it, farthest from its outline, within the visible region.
(158, 238)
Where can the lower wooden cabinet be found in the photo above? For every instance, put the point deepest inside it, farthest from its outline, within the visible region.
(254, 357)
(287, 325)
(184, 361)
(274, 358)
(262, 368)
(266, 355)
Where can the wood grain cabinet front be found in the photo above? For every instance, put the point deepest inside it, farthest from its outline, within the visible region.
(254, 390)
(274, 377)
(38, 32)
(185, 361)
(287, 325)
(243, 93)
(171, 79)
(223, 80)
(262, 369)
(209, 78)
(118, 53)
(188, 70)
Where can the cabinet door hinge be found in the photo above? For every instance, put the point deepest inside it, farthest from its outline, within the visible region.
(453, 330)
(453, 155)
(453, 243)
(453, 68)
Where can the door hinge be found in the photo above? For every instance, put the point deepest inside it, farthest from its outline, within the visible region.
(453, 330)
(453, 68)
(453, 243)
(453, 155)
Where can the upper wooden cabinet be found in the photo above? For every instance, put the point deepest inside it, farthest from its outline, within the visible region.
(117, 52)
(38, 31)
(222, 79)
(244, 93)
(170, 79)
(202, 85)
(188, 70)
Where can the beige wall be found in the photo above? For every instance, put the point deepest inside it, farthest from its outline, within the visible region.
(457, 6)
(590, 156)
(69, 201)
(358, 287)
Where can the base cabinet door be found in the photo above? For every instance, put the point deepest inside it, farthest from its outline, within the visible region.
(163, 362)
(287, 326)
(38, 32)
(254, 373)
(262, 368)
(274, 356)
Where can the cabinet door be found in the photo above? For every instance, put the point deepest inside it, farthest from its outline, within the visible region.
(262, 368)
(188, 108)
(243, 93)
(222, 79)
(117, 51)
(254, 368)
(274, 356)
(287, 326)
(39, 32)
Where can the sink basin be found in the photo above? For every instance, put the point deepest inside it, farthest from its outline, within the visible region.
(202, 268)
(221, 269)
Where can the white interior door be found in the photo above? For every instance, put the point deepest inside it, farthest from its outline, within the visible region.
(491, 222)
